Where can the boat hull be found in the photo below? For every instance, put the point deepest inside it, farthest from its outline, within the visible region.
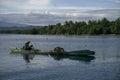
(45, 52)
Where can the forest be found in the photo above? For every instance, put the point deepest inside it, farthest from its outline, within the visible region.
(91, 27)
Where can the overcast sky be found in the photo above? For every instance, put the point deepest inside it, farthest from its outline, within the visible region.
(9, 6)
(45, 12)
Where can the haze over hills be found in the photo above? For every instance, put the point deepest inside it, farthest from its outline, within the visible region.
(9, 24)
(16, 26)
(39, 18)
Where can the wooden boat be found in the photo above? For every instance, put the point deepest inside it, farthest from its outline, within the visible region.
(50, 52)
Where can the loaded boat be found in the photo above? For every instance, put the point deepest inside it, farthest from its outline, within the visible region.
(57, 51)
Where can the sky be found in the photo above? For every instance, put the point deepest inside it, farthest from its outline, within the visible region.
(45, 12)
(24, 6)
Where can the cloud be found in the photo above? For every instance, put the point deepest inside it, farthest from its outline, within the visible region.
(49, 7)
(11, 4)
(23, 6)
(115, 1)
(39, 2)
(53, 17)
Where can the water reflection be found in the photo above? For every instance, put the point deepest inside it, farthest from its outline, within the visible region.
(29, 57)
(76, 58)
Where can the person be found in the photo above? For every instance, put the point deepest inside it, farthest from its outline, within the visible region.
(26, 46)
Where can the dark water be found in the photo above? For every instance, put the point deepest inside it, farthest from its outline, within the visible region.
(104, 66)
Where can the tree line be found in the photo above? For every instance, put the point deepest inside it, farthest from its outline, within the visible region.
(92, 27)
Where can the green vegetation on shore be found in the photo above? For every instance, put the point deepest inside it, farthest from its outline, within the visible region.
(92, 27)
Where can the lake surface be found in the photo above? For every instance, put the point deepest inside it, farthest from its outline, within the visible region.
(105, 65)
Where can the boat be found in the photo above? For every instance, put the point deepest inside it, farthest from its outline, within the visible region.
(53, 52)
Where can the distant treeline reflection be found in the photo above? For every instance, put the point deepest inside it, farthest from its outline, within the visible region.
(29, 57)
(92, 27)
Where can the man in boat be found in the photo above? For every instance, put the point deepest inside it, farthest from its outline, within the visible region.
(27, 47)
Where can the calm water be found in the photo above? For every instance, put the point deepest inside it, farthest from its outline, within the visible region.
(104, 66)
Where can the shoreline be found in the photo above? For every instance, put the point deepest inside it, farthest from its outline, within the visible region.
(64, 35)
